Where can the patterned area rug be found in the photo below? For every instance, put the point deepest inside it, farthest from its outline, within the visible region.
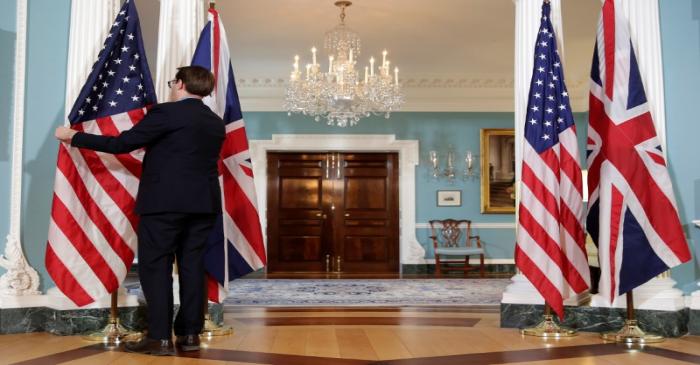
(366, 292)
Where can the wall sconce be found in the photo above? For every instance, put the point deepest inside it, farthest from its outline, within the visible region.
(450, 172)
(469, 164)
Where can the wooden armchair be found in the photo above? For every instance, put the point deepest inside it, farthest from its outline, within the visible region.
(454, 238)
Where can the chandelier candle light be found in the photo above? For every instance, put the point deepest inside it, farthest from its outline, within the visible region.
(340, 95)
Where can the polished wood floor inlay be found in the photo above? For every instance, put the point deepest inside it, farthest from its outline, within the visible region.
(360, 321)
(359, 336)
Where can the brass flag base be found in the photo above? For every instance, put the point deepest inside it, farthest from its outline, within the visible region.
(549, 329)
(631, 334)
(212, 329)
(113, 334)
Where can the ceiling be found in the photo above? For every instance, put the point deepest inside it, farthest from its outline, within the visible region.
(453, 55)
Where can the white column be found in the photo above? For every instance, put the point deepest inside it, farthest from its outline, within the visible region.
(20, 278)
(656, 294)
(527, 24)
(643, 16)
(90, 21)
(180, 23)
(694, 299)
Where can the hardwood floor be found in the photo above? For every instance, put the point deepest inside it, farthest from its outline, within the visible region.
(327, 336)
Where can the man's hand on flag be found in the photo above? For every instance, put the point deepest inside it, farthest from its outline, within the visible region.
(65, 134)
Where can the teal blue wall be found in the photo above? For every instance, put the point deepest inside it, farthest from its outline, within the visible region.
(7, 63)
(680, 41)
(433, 131)
(47, 54)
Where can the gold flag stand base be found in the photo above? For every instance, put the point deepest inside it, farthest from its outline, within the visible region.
(212, 329)
(114, 333)
(549, 329)
(630, 332)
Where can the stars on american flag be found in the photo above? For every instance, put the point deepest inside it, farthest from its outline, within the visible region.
(116, 83)
(548, 109)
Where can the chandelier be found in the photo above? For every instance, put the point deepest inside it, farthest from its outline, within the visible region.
(341, 95)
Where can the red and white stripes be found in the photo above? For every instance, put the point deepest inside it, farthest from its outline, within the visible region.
(550, 242)
(92, 232)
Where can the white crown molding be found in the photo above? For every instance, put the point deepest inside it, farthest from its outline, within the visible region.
(411, 251)
(20, 278)
(423, 94)
(482, 225)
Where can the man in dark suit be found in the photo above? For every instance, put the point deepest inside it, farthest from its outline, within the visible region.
(178, 201)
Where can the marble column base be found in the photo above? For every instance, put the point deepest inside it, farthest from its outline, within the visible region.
(78, 321)
(599, 319)
(694, 322)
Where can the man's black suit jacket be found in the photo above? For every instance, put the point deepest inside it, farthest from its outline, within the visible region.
(182, 140)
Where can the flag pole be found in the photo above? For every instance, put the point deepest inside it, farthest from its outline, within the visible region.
(630, 333)
(547, 328)
(211, 329)
(114, 333)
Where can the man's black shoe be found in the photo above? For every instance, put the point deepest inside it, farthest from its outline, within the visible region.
(150, 346)
(188, 342)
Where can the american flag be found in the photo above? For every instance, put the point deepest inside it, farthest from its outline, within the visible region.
(632, 214)
(236, 245)
(550, 244)
(92, 232)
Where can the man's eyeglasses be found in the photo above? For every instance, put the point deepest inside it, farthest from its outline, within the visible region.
(172, 82)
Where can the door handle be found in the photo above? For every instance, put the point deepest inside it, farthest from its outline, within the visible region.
(347, 214)
(328, 162)
(322, 216)
(328, 263)
(337, 167)
(337, 264)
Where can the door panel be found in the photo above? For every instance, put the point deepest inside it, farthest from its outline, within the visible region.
(325, 207)
(367, 221)
(300, 193)
(365, 193)
(295, 212)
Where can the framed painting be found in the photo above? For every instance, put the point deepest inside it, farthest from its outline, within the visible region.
(449, 198)
(498, 171)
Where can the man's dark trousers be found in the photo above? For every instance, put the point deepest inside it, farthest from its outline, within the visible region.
(164, 237)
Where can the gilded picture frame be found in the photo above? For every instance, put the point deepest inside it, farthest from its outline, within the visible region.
(497, 170)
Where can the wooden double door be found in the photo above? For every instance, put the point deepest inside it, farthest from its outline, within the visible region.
(333, 212)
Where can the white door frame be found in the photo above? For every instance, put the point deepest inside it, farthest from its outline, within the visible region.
(410, 251)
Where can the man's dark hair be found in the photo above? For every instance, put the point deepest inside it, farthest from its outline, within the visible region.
(198, 80)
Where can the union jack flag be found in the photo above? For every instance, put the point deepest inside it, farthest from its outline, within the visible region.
(550, 242)
(92, 231)
(236, 245)
(632, 214)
